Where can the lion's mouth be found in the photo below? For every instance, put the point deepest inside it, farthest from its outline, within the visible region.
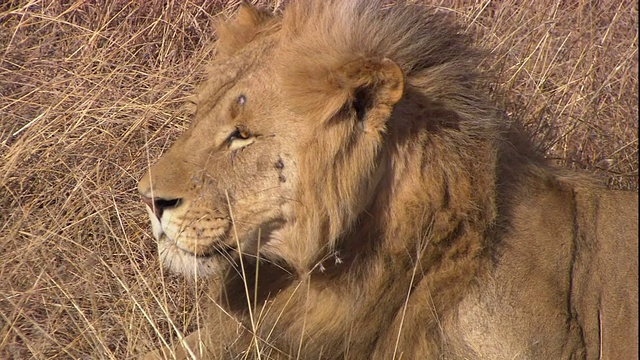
(225, 245)
(215, 257)
(218, 249)
(210, 250)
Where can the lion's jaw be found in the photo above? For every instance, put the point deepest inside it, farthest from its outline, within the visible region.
(203, 251)
(184, 254)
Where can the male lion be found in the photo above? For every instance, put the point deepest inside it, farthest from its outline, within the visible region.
(351, 194)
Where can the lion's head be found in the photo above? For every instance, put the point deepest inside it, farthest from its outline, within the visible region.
(227, 182)
(300, 132)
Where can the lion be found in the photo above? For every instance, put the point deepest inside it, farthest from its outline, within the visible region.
(347, 191)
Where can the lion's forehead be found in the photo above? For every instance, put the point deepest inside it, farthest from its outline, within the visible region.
(252, 62)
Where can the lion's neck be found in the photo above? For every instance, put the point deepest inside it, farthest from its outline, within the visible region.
(386, 268)
(377, 265)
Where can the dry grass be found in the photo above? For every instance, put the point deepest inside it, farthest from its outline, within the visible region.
(90, 94)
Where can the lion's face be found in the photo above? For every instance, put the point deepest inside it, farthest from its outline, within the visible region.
(226, 183)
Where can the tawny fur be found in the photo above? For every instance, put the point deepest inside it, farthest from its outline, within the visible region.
(353, 195)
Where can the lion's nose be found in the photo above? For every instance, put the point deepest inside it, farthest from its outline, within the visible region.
(159, 205)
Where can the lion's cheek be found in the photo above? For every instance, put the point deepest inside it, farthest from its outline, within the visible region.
(264, 163)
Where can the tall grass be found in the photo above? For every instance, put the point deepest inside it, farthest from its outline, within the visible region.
(91, 94)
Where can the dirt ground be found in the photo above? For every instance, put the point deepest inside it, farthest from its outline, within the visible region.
(90, 95)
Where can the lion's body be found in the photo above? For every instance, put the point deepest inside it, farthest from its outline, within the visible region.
(355, 197)
(562, 287)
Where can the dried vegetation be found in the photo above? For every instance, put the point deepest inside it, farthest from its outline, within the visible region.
(91, 91)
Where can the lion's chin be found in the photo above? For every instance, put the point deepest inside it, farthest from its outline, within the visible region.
(217, 256)
(189, 264)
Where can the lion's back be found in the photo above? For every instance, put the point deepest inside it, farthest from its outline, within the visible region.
(567, 269)
(605, 273)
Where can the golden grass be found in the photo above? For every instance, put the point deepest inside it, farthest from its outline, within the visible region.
(90, 94)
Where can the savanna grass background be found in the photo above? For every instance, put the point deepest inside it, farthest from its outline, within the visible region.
(90, 95)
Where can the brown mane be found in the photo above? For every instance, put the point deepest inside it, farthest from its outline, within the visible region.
(441, 97)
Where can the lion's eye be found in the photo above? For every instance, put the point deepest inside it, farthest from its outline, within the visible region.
(239, 134)
(240, 138)
(241, 100)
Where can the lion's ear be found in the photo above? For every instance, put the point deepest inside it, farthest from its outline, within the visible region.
(241, 29)
(374, 86)
(366, 88)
